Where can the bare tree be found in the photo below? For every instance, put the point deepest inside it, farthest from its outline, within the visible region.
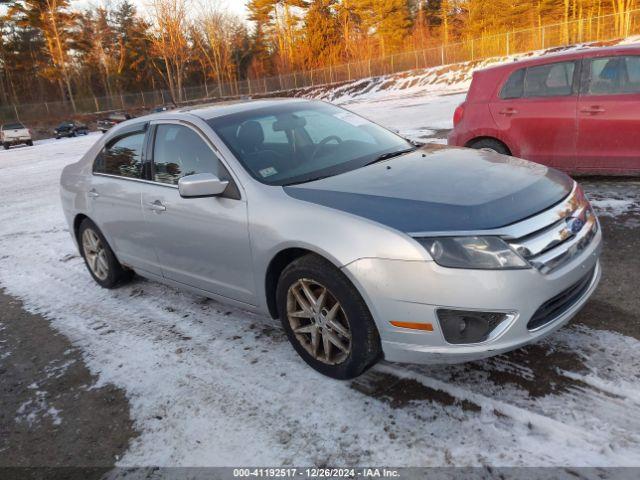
(170, 43)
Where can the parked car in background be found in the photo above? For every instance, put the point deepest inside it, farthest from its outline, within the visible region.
(578, 111)
(162, 108)
(70, 129)
(15, 134)
(112, 120)
(362, 244)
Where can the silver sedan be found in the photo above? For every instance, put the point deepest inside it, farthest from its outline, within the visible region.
(364, 245)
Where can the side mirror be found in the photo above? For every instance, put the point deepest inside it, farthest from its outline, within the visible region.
(201, 185)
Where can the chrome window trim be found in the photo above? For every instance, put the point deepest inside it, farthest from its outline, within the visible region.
(141, 180)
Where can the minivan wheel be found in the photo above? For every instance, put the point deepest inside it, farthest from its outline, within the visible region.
(99, 258)
(326, 319)
(490, 145)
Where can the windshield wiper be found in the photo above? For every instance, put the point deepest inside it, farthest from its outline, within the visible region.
(306, 180)
(387, 156)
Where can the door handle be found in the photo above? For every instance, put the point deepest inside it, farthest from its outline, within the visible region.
(156, 206)
(92, 193)
(594, 109)
(508, 111)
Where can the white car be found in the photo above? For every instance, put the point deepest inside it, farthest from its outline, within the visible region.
(15, 134)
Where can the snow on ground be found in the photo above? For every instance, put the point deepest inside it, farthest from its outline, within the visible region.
(213, 385)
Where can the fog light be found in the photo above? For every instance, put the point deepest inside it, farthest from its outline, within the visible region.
(462, 326)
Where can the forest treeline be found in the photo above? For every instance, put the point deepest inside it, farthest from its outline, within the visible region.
(51, 51)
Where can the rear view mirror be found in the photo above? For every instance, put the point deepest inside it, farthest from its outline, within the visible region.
(288, 122)
(201, 185)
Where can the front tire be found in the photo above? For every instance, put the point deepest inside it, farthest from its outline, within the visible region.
(30, 143)
(99, 258)
(326, 319)
(6, 146)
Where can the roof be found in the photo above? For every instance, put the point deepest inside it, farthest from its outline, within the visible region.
(568, 54)
(220, 109)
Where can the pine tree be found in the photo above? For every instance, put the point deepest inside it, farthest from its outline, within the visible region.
(322, 34)
(55, 22)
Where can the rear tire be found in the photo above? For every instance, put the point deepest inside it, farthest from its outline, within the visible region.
(30, 143)
(99, 258)
(6, 146)
(341, 317)
(491, 145)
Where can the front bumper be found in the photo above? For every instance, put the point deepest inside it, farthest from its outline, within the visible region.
(412, 291)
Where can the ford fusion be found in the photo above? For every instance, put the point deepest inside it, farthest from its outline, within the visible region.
(364, 245)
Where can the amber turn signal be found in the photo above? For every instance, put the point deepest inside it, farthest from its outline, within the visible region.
(413, 325)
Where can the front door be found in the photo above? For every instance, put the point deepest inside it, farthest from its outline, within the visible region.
(609, 115)
(201, 242)
(537, 111)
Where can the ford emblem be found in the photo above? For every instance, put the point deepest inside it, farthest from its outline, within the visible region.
(575, 224)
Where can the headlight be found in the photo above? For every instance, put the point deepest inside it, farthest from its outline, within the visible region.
(487, 253)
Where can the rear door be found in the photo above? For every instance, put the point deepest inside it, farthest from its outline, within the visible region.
(114, 196)
(609, 115)
(200, 242)
(536, 110)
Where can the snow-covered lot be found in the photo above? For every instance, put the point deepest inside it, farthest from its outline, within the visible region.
(213, 385)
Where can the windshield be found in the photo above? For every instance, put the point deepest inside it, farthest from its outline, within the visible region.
(303, 141)
(13, 126)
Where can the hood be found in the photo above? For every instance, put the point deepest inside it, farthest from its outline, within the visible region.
(436, 189)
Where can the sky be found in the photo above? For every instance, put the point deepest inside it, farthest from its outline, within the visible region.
(235, 6)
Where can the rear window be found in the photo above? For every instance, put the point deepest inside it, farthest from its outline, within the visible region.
(12, 126)
(514, 86)
(551, 80)
(122, 157)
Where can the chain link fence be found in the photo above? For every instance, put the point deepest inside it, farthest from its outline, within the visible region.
(602, 28)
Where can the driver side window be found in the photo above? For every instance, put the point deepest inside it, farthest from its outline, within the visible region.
(179, 151)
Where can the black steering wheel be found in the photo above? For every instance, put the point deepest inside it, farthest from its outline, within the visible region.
(323, 142)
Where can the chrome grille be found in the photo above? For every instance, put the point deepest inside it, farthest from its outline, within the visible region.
(549, 240)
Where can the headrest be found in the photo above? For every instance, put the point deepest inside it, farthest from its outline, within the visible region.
(250, 136)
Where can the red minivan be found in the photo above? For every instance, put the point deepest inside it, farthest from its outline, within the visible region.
(578, 111)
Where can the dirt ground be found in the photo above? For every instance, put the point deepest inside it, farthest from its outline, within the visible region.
(43, 373)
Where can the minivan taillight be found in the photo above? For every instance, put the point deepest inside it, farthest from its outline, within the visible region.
(458, 114)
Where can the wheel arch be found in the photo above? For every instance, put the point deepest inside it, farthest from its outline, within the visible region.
(77, 221)
(278, 263)
(284, 257)
(474, 140)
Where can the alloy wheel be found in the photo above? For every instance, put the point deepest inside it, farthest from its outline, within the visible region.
(95, 254)
(318, 321)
